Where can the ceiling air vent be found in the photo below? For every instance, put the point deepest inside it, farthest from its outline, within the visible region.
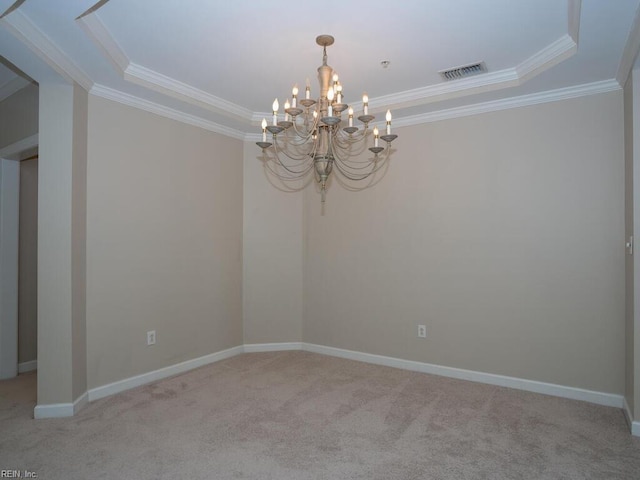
(463, 72)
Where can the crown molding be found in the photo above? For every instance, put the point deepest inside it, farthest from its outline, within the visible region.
(97, 31)
(549, 56)
(168, 86)
(542, 60)
(444, 91)
(148, 106)
(513, 102)
(573, 16)
(546, 58)
(12, 86)
(495, 105)
(431, 94)
(23, 28)
(630, 53)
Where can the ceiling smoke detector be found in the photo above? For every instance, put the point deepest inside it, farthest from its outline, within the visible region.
(464, 71)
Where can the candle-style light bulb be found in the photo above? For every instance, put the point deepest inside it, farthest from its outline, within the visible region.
(335, 78)
(287, 106)
(307, 90)
(365, 103)
(275, 106)
(264, 129)
(350, 117)
(330, 98)
(294, 100)
(338, 93)
(375, 136)
(388, 117)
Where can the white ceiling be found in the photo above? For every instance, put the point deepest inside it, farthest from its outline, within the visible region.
(220, 63)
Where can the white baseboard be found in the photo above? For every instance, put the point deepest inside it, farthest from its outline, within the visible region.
(29, 366)
(634, 426)
(143, 379)
(600, 398)
(58, 410)
(271, 347)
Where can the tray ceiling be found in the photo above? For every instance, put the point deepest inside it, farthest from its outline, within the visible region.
(220, 64)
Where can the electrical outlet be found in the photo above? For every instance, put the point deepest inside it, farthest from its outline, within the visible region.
(422, 331)
(151, 337)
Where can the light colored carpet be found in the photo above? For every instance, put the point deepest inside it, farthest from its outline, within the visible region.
(299, 415)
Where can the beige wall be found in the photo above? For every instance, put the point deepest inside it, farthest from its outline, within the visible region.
(629, 211)
(635, 327)
(272, 275)
(9, 241)
(19, 115)
(18, 121)
(78, 240)
(632, 220)
(164, 242)
(502, 232)
(506, 244)
(61, 172)
(28, 262)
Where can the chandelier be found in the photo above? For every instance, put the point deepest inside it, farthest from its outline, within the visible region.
(312, 137)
